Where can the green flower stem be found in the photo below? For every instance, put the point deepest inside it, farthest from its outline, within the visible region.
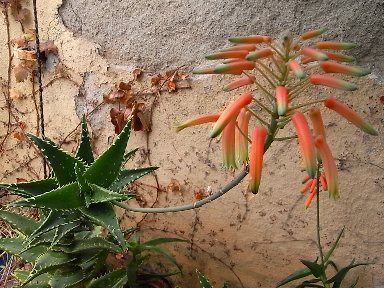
(276, 64)
(270, 96)
(270, 71)
(305, 104)
(285, 138)
(261, 105)
(295, 93)
(273, 85)
(257, 117)
(276, 50)
(194, 205)
(242, 133)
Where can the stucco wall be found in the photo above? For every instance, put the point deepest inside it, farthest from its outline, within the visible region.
(256, 238)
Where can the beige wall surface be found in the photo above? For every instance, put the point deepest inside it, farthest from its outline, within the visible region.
(249, 240)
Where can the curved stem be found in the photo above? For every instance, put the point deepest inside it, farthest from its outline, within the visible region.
(257, 117)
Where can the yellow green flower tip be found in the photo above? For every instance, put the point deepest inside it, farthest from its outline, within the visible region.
(256, 155)
(243, 81)
(313, 33)
(281, 93)
(241, 136)
(248, 47)
(314, 54)
(227, 54)
(329, 81)
(339, 57)
(251, 39)
(332, 67)
(295, 67)
(306, 144)
(262, 53)
(228, 144)
(227, 61)
(230, 112)
(334, 45)
(201, 119)
(210, 70)
(329, 166)
(235, 67)
(343, 110)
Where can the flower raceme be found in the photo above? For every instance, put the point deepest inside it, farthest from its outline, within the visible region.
(259, 134)
(243, 81)
(230, 112)
(349, 114)
(202, 119)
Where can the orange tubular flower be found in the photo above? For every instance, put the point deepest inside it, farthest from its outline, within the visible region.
(339, 57)
(227, 54)
(329, 165)
(334, 45)
(317, 122)
(314, 54)
(262, 53)
(234, 67)
(281, 93)
(307, 146)
(295, 67)
(239, 83)
(309, 199)
(329, 81)
(228, 144)
(311, 34)
(248, 47)
(332, 67)
(256, 158)
(230, 112)
(252, 39)
(201, 119)
(349, 114)
(241, 137)
(323, 182)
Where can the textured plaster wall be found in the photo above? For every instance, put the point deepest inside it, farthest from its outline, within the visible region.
(259, 237)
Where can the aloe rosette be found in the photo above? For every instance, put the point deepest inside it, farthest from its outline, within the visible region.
(281, 70)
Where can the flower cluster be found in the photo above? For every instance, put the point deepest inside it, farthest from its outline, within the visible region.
(281, 70)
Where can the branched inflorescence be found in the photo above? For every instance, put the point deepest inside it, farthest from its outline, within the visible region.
(281, 70)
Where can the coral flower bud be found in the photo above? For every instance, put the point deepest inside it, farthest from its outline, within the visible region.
(239, 83)
(317, 122)
(227, 54)
(295, 67)
(201, 119)
(226, 61)
(248, 47)
(306, 60)
(259, 134)
(306, 178)
(334, 45)
(306, 144)
(314, 54)
(329, 166)
(228, 144)
(332, 67)
(234, 67)
(312, 34)
(262, 53)
(252, 39)
(349, 114)
(323, 182)
(309, 199)
(307, 186)
(281, 93)
(230, 112)
(241, 137)
(329, 81)
(339, 57)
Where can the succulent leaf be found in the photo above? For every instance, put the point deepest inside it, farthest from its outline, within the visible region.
(115, 279)
(65, 197)
(129, 155)
(105, 168)
(23, 224)
(84, 150)
(104, 215)
(14, 246)
(101, 194)
(128, 176)
(62, 163)
(91, 244)
(32, 188)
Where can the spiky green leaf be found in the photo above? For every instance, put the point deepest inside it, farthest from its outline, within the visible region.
(115, 279)
(104, 215)
(204, 282)
(68, 280)
(65, 197)
(106, 168)
(315, 268)
(128, 176)
(165, 254)
(294, 276)
(330, 252)
(101, 194)
(15, 245)
(32, 188)
(128, 156)
(340, 275)
(64, 231)
(96, 243)
(158, 241)
(84, 150)
(62, 163)
(39, 282)
(23, 224)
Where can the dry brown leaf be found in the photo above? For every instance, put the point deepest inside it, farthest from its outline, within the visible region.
(199, 194)
(22, 125)
(21, 72)
(48, 47)
(23, 15)
(18, 180)
(20, 41)
(27, 55)
(117, 119)
(137, 73)
(155, 80)
(19, 135)
(171, 86)
(174, 186)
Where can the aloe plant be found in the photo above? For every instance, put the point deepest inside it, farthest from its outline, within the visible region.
(65, 244)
